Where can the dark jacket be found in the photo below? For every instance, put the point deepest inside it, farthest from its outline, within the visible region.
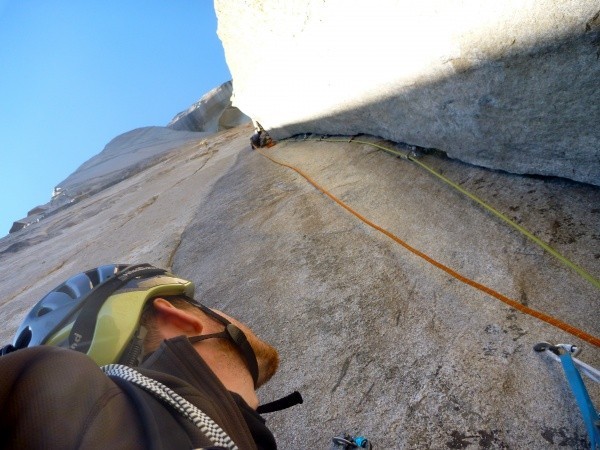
(57, 398)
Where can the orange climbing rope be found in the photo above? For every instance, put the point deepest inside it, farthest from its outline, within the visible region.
(564, 260)
(513, 303)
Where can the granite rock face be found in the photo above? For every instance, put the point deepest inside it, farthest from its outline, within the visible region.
(121, 158)
(212, 113)
(131, 152)
(378, 341)
(507, 85)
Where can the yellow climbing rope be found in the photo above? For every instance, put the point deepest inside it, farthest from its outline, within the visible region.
(513, 303)
(567, 262)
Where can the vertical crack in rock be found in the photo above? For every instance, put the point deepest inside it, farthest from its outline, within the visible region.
(209, 153)
(345, 367)
(139, 210)
(175, 248)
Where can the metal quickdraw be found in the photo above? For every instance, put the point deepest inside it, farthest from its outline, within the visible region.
(563, 353)
(348, 442)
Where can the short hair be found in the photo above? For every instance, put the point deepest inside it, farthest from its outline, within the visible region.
(153, 337)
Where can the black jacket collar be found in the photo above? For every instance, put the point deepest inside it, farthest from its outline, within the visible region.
(178, 365)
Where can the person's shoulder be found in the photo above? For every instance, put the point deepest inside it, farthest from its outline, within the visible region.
(53, 358)
(48, 358)
(51, 372)
(37, 382)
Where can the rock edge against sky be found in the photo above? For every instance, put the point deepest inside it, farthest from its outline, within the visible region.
(507, 85)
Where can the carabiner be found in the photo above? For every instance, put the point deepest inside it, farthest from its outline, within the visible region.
(348, 442)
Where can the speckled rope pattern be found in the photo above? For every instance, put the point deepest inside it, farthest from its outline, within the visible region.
(210, 429)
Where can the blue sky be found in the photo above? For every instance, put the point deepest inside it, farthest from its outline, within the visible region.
(76, 73)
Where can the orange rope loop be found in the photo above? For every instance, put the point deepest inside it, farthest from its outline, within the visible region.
(512, 303)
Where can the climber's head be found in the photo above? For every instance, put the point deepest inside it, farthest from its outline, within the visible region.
(116, 313)
(169, 317)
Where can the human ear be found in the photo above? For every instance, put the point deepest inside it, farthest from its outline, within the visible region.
(173, 321)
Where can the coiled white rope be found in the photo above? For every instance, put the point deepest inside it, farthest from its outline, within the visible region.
(208, 426)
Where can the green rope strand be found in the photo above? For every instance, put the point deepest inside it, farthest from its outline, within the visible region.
(567, 262)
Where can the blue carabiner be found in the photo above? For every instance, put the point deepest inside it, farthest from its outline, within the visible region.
(349, 442)
(362, 442)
